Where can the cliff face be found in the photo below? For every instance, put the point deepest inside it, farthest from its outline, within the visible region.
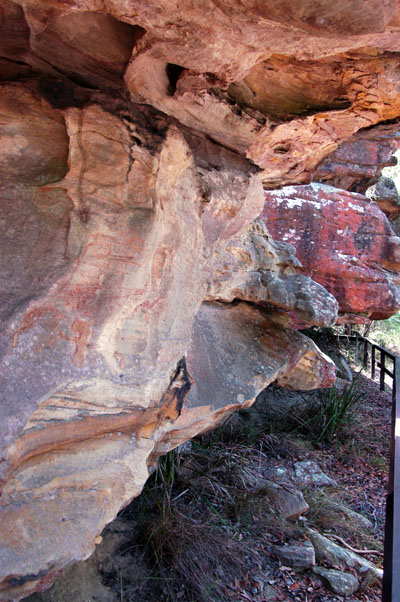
(148, 284)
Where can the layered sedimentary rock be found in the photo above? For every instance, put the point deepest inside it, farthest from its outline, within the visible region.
(142, 298)
(344, 242)
(254, 267)
(110, 234)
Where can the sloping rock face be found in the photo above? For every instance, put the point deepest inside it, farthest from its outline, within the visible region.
(109, 357)
(142, 298)
(344, 242)
(254, 267)
(357, 163)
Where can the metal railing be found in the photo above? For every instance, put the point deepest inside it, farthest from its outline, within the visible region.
(379, 357)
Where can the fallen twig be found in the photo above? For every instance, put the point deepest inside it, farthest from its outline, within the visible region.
(351, 548)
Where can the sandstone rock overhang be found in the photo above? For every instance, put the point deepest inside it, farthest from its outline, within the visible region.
(142, 297)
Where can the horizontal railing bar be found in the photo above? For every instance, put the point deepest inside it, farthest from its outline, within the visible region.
(385, 370)
(389, 355)
(353, 337)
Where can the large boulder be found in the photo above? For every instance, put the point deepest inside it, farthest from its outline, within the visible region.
(344, 242)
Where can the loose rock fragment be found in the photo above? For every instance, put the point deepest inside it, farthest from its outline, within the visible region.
(307, 472)
(288, 500)
(297, 556)
(342, 584)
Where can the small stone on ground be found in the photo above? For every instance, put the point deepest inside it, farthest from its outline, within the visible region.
(308, 472)
(342, 584)
(298, 556)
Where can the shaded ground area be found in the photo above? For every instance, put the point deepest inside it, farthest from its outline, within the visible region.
(209, 525)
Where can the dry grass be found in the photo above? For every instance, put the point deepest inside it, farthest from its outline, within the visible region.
(327, 515)
(189, 526)
(193, 557)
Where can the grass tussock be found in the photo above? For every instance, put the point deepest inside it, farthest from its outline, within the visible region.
(189, 525)
(192, 558)
(323, 417)
(328, 413)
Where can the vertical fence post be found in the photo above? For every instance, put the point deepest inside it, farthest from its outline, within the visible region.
(356, 360)
(391, 570)
(365, 353)
(396, 481)
(373, 349)
(383, 371)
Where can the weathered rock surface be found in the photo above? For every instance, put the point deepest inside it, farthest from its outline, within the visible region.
(235, 351)
(308, 472)
(396, 225)
(288, 500)
(339, 62)
(340, 557)
(386, 195)
(140, 301)
(297, 555)
(343, 584)
(254, 267)
(288, 152)
(115, 230)
(357, 163)
(344, 242)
